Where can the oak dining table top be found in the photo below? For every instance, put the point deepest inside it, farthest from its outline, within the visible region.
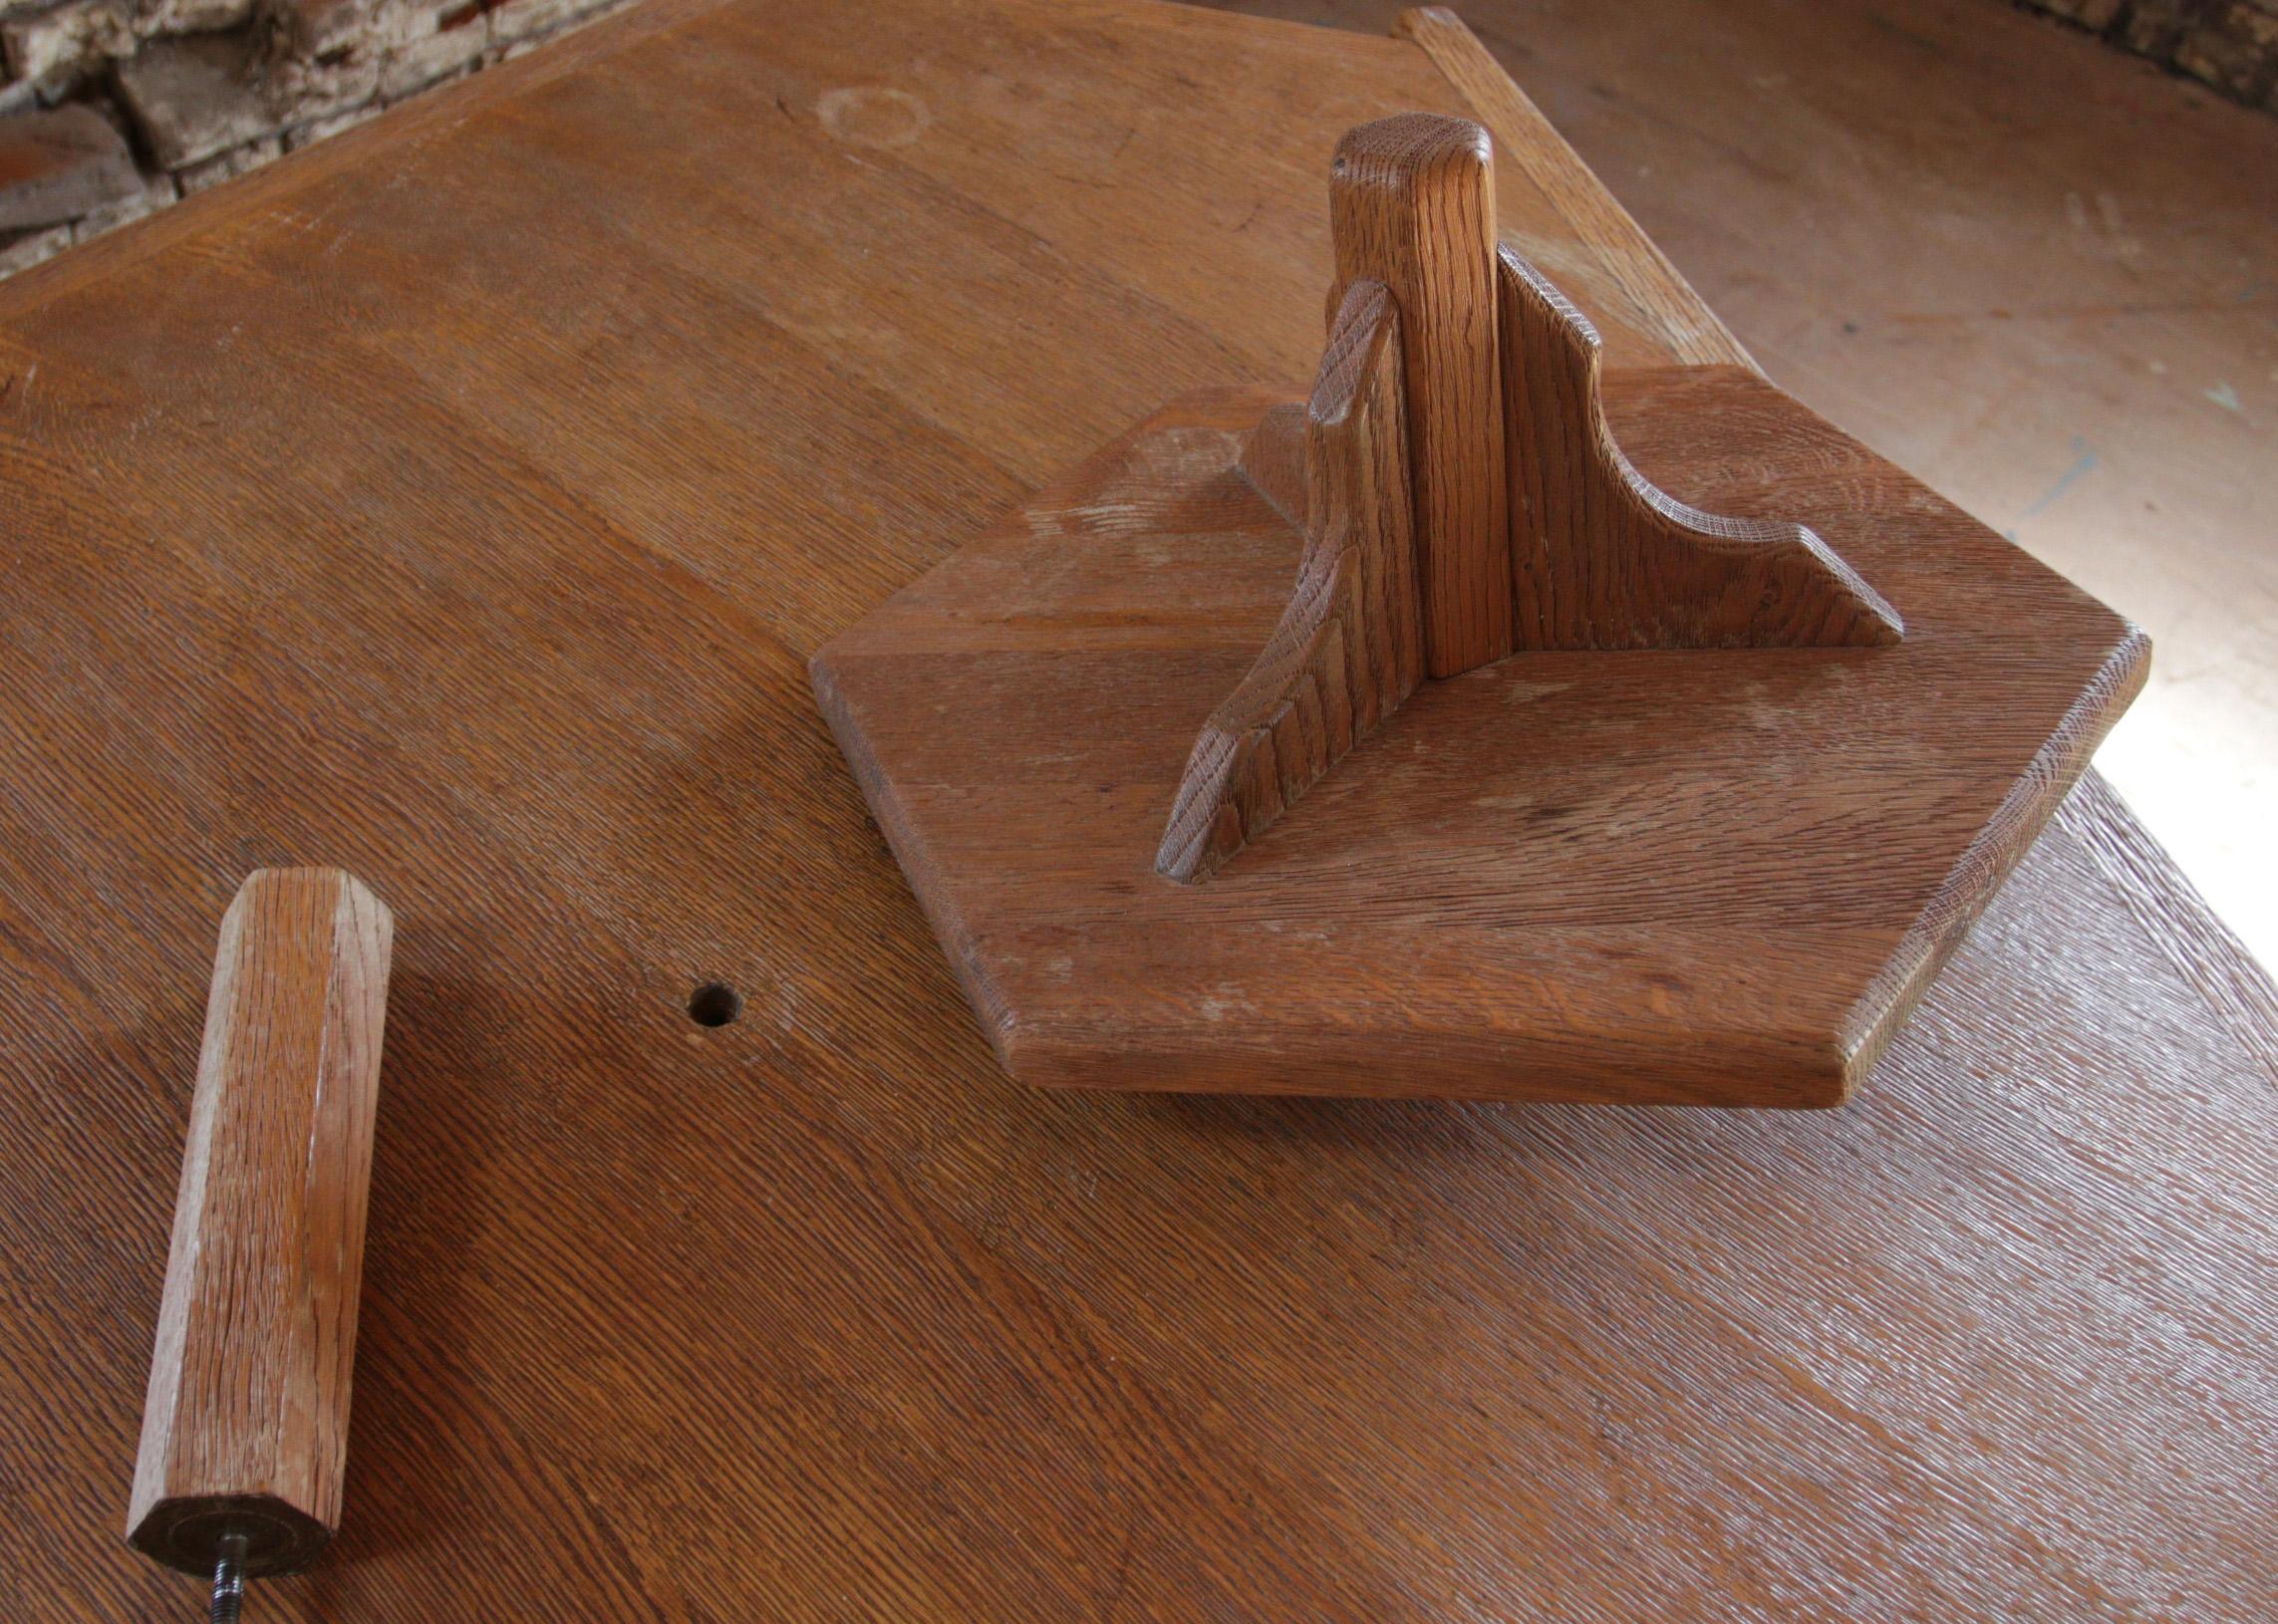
(459, 501)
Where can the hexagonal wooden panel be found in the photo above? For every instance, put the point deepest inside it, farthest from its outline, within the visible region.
(1683, 876)
(1480, 726)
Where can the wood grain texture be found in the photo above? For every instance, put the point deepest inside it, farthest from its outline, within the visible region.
(245, 1423)
(1596, 556)
(1273, 460)
(2012, 262)
(1676, 876)
(1649, 312)
(818, 1316)
(1412, 206)
(1601, 559)
(1349, 647)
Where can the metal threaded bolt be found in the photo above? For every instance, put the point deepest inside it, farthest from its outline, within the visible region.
(228, 1579)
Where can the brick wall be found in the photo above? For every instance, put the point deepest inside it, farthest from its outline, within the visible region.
(2232, 45)
(111, 109)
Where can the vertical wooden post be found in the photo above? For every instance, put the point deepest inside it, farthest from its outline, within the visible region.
(245, 1430)
(1412, 206)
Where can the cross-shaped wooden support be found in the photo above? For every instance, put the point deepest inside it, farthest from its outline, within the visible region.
(1657, 806)
(1461, 499)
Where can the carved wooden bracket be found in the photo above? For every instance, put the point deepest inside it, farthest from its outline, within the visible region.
(1462, 498)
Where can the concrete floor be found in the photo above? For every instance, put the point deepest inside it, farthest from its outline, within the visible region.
(2038, 273)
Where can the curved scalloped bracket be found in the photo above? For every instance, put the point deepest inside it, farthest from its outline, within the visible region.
(1462, 498)
(1349, 647)
(1601, 559)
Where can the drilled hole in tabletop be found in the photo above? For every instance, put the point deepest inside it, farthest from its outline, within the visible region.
(715, 1004)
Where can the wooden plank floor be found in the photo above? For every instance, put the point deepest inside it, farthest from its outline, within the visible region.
(2036, 273)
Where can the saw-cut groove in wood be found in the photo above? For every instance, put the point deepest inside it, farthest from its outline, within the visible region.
(1601, 559)
(1350, 645)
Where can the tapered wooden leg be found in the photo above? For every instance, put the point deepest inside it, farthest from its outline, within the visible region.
(245, 1429)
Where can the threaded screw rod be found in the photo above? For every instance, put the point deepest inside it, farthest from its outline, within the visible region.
(228, 1579)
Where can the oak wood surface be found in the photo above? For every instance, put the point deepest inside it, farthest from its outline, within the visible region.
(2036, 273)
(1603, 559)
(1676, 875)
(1572, 225)
(1274, 459)
(1350, 643)
(1579, 551)
(1412, 206)
(246, 1424)
(459, 501)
